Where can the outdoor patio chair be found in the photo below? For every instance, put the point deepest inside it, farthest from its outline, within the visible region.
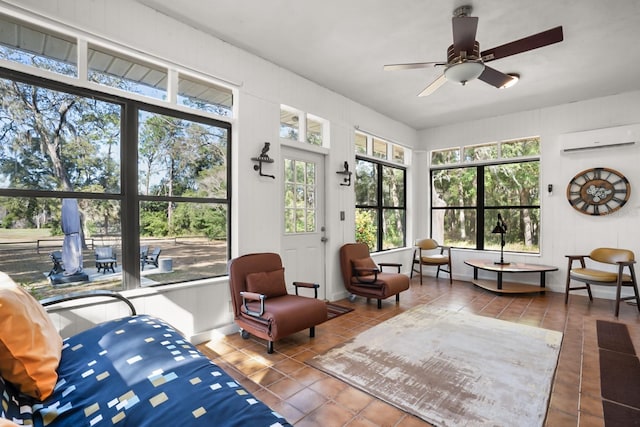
(56, 258)
(152, 258)
(106, 259)
(261, 304)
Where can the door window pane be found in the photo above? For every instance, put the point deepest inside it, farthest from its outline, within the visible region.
(300, 210)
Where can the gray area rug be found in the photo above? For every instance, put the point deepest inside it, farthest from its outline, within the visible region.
(452, 368)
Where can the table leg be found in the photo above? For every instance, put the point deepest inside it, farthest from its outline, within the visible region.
(475, 273)
(499, 280)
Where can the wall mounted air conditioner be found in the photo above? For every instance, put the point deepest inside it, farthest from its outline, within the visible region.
(618, 136)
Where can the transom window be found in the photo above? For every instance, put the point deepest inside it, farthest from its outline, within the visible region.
(297, 125)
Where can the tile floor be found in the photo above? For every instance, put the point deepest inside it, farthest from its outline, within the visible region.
(308, 397)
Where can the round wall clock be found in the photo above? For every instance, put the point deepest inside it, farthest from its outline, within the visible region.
(598, 191)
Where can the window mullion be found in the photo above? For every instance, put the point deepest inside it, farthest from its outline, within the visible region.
(480, 208)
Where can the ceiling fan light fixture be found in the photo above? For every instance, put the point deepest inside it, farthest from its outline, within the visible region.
(515, 78)
(464, 71)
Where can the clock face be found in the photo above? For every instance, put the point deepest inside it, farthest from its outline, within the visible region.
(598, 191)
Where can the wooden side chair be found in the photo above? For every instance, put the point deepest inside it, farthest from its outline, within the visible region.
(625, 275)
(429, 252)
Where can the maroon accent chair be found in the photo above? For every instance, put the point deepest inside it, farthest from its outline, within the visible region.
(363, 277)
(261, 305)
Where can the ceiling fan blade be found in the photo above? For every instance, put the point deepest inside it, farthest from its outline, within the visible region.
(433, 86)
(411, 66)
(464, 32)
(535, 41)
(494, 77)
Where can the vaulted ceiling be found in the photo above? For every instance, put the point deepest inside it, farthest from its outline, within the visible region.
(343, 45)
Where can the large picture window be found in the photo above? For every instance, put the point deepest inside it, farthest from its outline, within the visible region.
(497, 178)
(150, 183)
(380, 204)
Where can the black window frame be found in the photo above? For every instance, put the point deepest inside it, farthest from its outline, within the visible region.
(480, 208)
(379, 207)
(128, 195)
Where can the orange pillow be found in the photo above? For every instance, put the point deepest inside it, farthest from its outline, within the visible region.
(30, 345)
(269, 283)
(367, 263)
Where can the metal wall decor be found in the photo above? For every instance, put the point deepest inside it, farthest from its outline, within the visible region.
(598, 191)
(347, 175)
(263, 158)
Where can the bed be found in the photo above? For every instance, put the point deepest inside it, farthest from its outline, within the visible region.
(133, 371)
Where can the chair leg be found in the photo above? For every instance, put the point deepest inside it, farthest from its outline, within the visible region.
(270, 347)
(618, 292)
(312, 331)
(413, 264)
(634, 284)
(398, 297)
(379, 304)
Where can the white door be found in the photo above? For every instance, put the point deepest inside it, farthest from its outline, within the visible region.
(303, 216)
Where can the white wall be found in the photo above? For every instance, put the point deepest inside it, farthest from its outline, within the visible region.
(564, 230)
(262, 87)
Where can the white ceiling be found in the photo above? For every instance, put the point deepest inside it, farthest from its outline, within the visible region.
(343, 44)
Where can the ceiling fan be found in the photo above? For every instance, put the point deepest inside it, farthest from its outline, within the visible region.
(465, 62)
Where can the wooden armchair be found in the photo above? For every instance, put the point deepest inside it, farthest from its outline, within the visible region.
(363, 277)
(261, 304)
(429, 252)
(622, 258)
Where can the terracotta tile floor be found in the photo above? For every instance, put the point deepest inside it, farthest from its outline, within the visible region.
(308, 397)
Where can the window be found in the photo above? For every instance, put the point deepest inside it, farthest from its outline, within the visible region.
(125, 73)
(380, 187)
(380, 205)
(289, 124)
(300, 211)
(299, 126)
(28, 44)
(144, 177)
(204, 96)
(496, 178)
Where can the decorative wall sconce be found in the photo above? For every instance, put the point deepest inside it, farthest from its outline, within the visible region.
(347, 175)
(263, 158)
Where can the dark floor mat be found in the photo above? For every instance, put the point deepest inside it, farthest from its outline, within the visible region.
(620, 416)
(620, 377)
(614, 336)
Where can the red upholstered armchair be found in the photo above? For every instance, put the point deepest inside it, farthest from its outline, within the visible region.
(363, 277)
(261, 304)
